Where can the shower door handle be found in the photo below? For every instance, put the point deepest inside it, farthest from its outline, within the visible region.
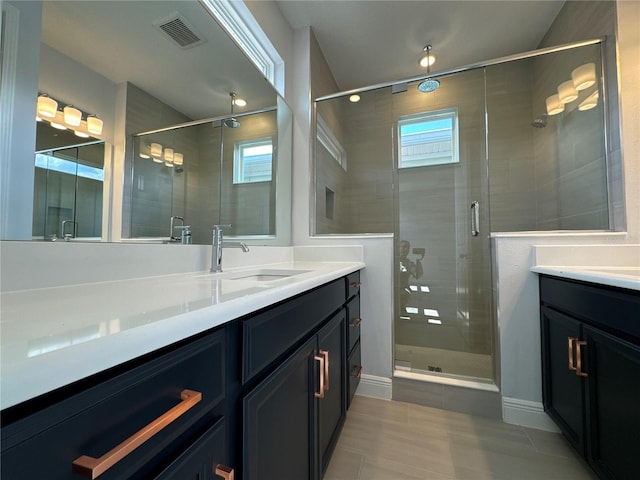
(475, 218)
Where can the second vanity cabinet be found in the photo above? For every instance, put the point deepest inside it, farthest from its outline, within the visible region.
(260, 397)
(591, 371)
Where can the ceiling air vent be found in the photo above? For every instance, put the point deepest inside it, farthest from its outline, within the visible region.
(179, 30)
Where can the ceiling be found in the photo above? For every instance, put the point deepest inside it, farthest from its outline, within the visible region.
(369, 42)
(118, 40)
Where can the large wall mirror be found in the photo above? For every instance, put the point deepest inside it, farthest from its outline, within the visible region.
(161, 74)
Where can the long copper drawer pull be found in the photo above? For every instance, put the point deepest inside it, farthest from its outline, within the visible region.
(320, 358)
(579, 371)
(358, 372)
(94, 467)
(326, 368)
(571, 356)
(225, 472)
(356, 322)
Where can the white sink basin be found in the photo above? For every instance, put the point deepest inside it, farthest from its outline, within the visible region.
(266, 275)
(259, 275)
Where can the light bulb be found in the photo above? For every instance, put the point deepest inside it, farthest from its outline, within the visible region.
(554, 105)
(584, 76)
(72, 116)
(567, 92)
(47, 106)
(94, 125)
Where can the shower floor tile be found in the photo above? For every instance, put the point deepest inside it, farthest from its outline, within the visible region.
(388, 439)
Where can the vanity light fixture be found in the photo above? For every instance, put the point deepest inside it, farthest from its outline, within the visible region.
(554, 105)
(584, 76)
(59, 126)
(168, 155)
(567, 92)
(590, 102)
(47, 106)
(81, 134)
(72, 116)
(178, 158)
(94, 125)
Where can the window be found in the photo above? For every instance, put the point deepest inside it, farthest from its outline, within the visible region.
(329, 141)
(252, 161)
(428, 138)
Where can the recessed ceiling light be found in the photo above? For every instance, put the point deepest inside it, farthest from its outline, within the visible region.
(354, 98)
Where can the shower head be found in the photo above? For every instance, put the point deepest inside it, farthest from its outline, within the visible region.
(232, 122)
(540, 121)
(429, 85)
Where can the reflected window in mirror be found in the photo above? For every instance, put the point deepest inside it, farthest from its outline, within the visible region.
(252, 161)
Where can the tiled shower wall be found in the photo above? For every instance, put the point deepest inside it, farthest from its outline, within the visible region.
(195, 192)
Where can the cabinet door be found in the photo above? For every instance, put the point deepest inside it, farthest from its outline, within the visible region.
(332, 407)
(199, 461)
(278, 420)
(562, 387)
(612, 404)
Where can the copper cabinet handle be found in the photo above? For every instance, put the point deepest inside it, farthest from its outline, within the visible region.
(570, 353)
(579, 371)
(326, 368)
(355, 284)
(358, 371)
(94, 467)
(225, 472)
(356, 322)
(320, 358)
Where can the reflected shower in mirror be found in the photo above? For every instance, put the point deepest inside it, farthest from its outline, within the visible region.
(207, 173)
(68, 186)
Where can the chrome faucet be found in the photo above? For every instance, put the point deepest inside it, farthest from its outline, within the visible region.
(218, 244)
(172, 237)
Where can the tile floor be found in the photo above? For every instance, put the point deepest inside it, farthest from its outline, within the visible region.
(384, 440)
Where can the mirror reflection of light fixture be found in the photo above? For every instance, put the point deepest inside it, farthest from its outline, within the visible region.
(354, 98)
(178, 158)
(47, 106)
(94, 125)
(554, 105)
(72, 116)
(590, 102)
(241, 102)
(428, 58)
(168, 154)
(156, 150)
(567, 92)
(584, 76)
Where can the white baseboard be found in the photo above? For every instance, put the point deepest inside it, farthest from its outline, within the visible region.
(527, 414)
(372, 386)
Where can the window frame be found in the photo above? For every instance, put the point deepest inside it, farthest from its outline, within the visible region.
(238, 159)
(431, 116)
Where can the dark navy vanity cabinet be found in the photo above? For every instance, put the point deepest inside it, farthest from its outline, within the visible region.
(260, 397)
(591, 371)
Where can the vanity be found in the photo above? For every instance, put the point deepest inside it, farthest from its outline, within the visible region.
(243, 375)
(590, 331)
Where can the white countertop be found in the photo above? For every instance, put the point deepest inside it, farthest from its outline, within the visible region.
(51, 337)
(613, 276)
(613, 265)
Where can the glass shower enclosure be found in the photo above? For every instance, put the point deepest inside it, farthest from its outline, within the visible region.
(504, 146)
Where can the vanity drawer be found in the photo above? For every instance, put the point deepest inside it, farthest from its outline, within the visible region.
(353, 284)
(178, 391)
(355, 371)
(270, 334)
(353, 323)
